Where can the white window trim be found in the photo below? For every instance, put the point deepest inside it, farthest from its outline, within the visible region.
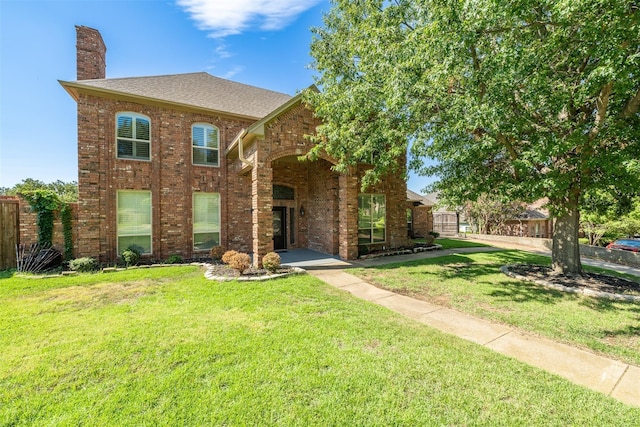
(133, 116)
(150, 215)
(205, 125)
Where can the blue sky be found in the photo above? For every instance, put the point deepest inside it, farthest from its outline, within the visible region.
(258, 42)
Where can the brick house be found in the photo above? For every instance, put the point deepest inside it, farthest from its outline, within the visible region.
(176, 164)
(419, 214)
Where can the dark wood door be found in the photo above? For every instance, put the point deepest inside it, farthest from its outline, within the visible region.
(279, 228)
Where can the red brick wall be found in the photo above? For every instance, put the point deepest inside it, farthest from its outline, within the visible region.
(169, 176)
(330, 202)
(90, 54)
(29, 226)
(422, 219)
(393, 186)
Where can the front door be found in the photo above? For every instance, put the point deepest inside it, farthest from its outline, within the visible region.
(279, 228)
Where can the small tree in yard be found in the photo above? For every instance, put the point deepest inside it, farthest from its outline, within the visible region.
(522, 99)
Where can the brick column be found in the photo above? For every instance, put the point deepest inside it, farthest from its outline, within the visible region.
(348, 206)
(261, 209)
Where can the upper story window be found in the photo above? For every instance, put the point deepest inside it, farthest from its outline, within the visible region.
(205, 140)
(133, 135)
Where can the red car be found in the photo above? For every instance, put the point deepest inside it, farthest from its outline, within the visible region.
(632, 245)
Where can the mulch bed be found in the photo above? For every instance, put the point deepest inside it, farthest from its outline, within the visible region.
(592, 281)
(223, 270)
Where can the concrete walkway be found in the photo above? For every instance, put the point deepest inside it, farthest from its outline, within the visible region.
(613, 378)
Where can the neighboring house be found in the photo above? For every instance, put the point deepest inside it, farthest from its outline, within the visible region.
(445, 221)
(419, 215)
(177, 164)
(533, 222)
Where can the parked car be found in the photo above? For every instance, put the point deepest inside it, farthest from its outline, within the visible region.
(632, 245)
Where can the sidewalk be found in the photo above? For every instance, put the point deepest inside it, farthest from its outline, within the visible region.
(613, 378)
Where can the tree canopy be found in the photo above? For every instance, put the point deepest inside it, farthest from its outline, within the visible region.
(67, 191)
(521, 99)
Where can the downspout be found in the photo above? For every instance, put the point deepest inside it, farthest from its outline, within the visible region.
(238, 138)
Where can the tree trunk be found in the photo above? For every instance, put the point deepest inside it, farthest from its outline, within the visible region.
(565, 253)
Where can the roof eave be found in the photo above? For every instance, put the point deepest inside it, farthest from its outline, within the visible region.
(74, 89)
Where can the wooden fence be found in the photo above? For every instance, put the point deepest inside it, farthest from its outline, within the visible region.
(9, 232)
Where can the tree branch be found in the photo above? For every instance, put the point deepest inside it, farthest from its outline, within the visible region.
(602, 102)
(632, 106)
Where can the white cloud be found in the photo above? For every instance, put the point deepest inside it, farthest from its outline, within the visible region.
(222, 52)
(232, 72)
(226, 17)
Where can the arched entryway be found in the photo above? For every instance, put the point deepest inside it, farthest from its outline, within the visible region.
(305, 205)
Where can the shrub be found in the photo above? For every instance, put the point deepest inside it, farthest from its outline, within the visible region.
(430, 239)
(271, 262)
(174, 259)
(434, 234)
(226, 257)
(130, 256)
(83, 265)
(240, 262)
(216, 253)
(363, 250)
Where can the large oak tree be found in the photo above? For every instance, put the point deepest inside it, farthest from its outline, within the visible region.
(520, 99)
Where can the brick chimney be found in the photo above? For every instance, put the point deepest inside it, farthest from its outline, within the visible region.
(91, 52)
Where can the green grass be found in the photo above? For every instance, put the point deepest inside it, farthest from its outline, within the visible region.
(167, 347)
(447, 243)
(474, 284)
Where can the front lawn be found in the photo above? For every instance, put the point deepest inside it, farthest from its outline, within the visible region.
(447, 243)
(474, 284)
(167, 347)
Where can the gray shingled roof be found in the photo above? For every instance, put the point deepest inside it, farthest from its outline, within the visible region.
(412, 196)
(198, 90)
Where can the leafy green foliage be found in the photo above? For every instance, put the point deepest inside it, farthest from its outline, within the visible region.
(83, 265)
(131, 256)
(174, 259)
(44, 203)
(67, 229)
(524, 99)
(489, 215)
(68, 191)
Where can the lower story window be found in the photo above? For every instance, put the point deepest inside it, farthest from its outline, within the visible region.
(371, 219)
(206, 220)
(134, 221)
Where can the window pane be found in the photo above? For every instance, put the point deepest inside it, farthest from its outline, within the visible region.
(206, 220)
(142, 129)
(205, 240)
(212, 137)
(142, 150)
(134, 219)
(199, 156)
(141, 243)
(364, 236)
(212, 157)
(378, 235)
(198, 136)
(125, 127)
(125, 148)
